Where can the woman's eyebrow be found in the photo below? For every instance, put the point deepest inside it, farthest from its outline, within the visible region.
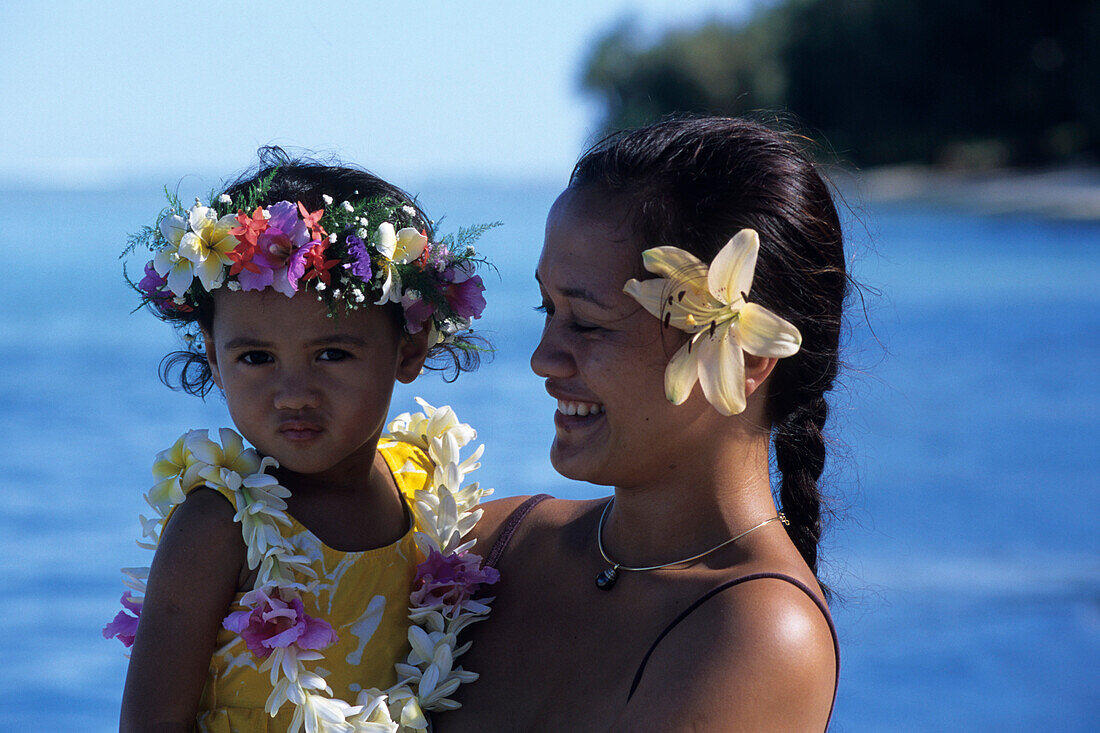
(577, 294)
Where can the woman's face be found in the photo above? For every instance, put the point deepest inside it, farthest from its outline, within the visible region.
(603, 356)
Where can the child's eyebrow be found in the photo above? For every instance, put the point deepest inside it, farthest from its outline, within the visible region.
(576, 294)
(339, 338)
(246, 342)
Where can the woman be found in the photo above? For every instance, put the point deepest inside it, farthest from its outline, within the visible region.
(684, 602)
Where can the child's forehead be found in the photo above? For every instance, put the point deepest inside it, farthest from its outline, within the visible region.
(299, 316)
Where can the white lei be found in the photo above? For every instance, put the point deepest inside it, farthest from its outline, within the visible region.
(444, 512)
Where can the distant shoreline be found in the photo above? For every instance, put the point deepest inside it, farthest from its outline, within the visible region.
(1071, 194)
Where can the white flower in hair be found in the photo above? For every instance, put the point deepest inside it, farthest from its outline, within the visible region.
(397, 248)
(197, 247)
(711, 303)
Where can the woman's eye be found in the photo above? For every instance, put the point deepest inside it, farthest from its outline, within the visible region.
(333, 355)
(544, 309)
(581, 327)
(255, 358)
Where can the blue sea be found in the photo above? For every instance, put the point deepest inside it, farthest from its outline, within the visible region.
(963, 549)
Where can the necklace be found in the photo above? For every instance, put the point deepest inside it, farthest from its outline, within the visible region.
(607, 577)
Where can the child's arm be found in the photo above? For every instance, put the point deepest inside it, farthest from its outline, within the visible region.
(197, 569)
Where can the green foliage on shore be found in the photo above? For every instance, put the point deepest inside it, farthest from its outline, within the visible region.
(961, 82)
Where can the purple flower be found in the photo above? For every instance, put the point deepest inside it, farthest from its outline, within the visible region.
(276, 246)
(124, 625)
(360, 258)
(463, 292)
(417, 312)
(269, 622)
(449, 579)
(155, 288)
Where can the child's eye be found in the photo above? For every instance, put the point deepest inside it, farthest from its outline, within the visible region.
(255, 358)
(334, 355)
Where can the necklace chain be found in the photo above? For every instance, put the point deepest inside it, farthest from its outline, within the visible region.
(607, 577)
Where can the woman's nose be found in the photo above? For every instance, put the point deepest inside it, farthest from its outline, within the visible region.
(549, 358)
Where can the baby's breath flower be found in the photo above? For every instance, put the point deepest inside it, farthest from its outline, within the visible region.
(320, 285)
(346, 206)
(233, 285)
(225, 198)
(327, 199)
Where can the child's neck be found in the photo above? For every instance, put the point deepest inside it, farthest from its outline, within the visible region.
(350, 511)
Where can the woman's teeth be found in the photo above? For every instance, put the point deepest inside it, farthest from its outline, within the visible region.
(579, 408)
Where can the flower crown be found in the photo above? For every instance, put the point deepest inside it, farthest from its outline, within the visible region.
(711, 304)
(351, 253)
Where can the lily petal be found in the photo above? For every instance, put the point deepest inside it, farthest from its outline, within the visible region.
(722, 371)
(762, 333)
(732, 270)
(648, 293)
(681, 374)
(673, 262)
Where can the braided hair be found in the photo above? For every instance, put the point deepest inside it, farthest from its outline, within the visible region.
(693, 183)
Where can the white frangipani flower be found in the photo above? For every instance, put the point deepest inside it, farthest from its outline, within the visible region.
(400, 247)
(711, 303)
(197, 247)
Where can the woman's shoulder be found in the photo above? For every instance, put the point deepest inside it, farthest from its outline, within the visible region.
(763, 637)
(514, 518)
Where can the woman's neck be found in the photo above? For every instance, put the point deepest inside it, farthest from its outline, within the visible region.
(693, 507)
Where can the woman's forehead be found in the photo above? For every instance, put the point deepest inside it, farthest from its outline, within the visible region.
(588, 246)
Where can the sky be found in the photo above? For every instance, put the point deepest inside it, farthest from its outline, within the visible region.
(98, 93)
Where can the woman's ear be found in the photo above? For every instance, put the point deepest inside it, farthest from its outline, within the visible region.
(211, 357)
(412, 351)
(757, 369)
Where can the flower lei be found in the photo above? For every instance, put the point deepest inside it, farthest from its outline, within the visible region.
(274, 625)
(240, 244)
(711, 303)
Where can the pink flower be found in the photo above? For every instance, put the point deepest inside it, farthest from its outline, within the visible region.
(417, 312)
(269, 622)
(463, 292)
(124, 625)
(450, 579)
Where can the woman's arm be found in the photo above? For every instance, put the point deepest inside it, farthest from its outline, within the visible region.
(194, 576)
(757, 657)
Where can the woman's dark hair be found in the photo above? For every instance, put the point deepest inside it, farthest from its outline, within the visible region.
(307, 181)
(694, 183)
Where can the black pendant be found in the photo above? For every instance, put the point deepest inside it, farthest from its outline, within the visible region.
(606, 579)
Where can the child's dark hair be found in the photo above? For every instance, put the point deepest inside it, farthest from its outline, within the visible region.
(304, 180)
(694, 183)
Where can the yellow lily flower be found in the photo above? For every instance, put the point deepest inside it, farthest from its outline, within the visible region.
(711, 303)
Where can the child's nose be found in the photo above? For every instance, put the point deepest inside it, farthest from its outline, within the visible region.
(295, 392)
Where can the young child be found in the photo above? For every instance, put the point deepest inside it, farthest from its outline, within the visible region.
(295, 581)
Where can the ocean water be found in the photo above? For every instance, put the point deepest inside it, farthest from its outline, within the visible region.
(964, 550)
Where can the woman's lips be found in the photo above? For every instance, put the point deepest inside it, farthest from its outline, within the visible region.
(572, 407)
(573, 414)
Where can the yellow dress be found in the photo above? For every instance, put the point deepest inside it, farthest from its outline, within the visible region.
(366, 603)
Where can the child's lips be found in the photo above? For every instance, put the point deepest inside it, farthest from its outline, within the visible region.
(297, 430)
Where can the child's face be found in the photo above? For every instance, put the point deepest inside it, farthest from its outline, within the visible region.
(309, 390)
